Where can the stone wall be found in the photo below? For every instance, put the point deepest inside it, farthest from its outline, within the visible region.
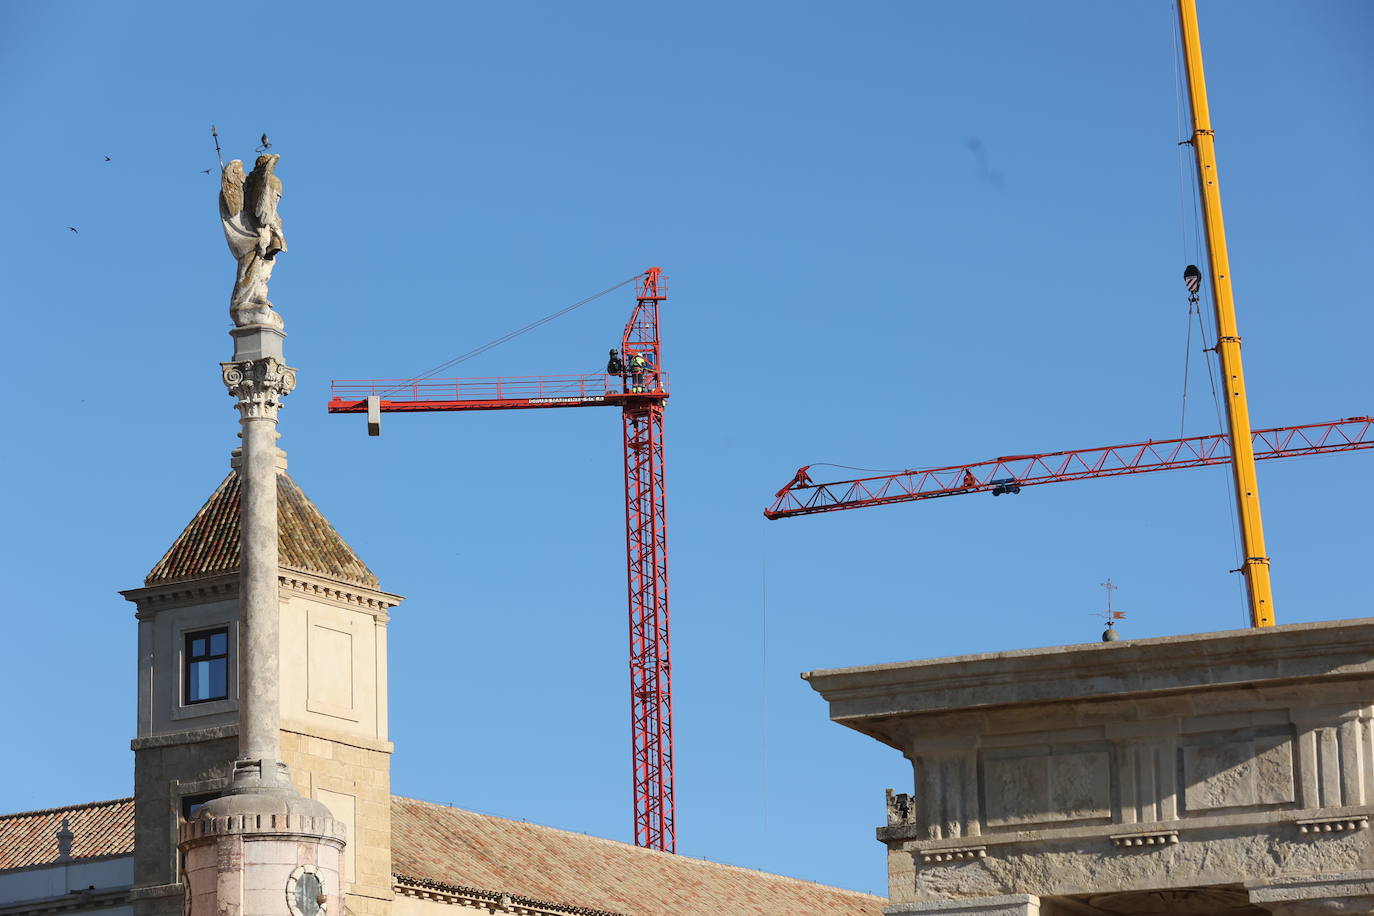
(1240, 759)
(166, 769)
(354, 782)
(333, 712)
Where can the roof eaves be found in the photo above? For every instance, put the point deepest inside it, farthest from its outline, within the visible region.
(404, 881)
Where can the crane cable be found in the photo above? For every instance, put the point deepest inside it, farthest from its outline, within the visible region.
(510, 335)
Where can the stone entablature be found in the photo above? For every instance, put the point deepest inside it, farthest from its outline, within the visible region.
(1234, 758)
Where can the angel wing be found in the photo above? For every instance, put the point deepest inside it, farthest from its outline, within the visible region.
(241, 237)
(261, 193)
(231, 190)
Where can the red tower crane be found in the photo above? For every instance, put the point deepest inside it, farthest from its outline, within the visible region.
(1007, 475)
(640, 392)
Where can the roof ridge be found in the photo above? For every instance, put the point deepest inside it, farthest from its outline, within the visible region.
(677, 857)
(94, 804)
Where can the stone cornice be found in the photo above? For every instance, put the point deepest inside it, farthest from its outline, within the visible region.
(1290, 824)
(76, 901)
(153, 598)
(862, 697)
(166, 595)
(377, 603)
(489, 901)
(277, 826)
(190, 736)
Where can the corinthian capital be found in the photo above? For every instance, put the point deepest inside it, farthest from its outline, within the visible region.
(259, 385)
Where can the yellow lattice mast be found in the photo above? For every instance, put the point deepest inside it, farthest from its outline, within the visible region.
(1255, 564)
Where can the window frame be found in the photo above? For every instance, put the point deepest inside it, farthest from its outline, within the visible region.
(187, 660)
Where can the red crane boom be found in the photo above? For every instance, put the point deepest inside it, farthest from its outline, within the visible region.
(801, 496)
(640, 393)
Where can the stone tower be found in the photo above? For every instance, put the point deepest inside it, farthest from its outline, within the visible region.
(262, 670)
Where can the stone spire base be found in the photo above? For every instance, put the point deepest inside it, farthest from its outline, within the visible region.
(263, 855)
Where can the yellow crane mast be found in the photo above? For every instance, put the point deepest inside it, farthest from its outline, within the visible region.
(1255, 564)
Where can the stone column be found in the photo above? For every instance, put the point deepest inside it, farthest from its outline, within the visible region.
(261, 849)
(258, 379)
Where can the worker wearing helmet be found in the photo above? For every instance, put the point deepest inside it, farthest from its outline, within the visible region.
(639, 365)
(616, 366)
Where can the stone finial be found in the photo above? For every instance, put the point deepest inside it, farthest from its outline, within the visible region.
(64, 841)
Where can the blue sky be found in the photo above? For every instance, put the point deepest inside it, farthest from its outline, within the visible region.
(898, 234)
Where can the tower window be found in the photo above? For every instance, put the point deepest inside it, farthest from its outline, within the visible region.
(207, 665)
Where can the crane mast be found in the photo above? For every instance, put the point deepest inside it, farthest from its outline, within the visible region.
(640, 392)
(1255, 562)
(646, 541)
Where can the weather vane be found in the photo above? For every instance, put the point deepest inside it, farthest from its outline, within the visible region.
(219, 154)
(1109, 615)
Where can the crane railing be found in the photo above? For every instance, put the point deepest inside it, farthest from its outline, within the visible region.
(350, 395)
(1008, 474)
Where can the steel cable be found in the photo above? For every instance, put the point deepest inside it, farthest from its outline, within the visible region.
(510, 335)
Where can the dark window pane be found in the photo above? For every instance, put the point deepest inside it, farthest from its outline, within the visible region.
(190, 804)
(206, 666)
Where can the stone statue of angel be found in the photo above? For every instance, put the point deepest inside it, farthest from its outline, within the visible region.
(248, 209)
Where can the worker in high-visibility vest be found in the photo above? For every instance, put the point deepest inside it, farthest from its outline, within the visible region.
(638, 367)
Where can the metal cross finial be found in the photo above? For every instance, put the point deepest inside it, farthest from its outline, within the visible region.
(1110, 615)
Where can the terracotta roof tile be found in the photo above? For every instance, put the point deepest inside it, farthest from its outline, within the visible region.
(308, 543)
(97, 829)
(436, 846)
(457, 848)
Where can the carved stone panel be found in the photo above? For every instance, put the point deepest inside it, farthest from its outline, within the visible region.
(1236, 774)
(1046, 787)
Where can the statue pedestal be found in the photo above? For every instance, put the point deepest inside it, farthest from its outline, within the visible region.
(256, 341)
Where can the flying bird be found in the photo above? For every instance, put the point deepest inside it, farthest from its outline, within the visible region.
(206, 171)
(107, 158)
(266, 144)
(73, 228)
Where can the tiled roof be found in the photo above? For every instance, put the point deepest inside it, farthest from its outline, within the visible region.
(455, 848)
(308, 543)
(449, 848)
(97, 829)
